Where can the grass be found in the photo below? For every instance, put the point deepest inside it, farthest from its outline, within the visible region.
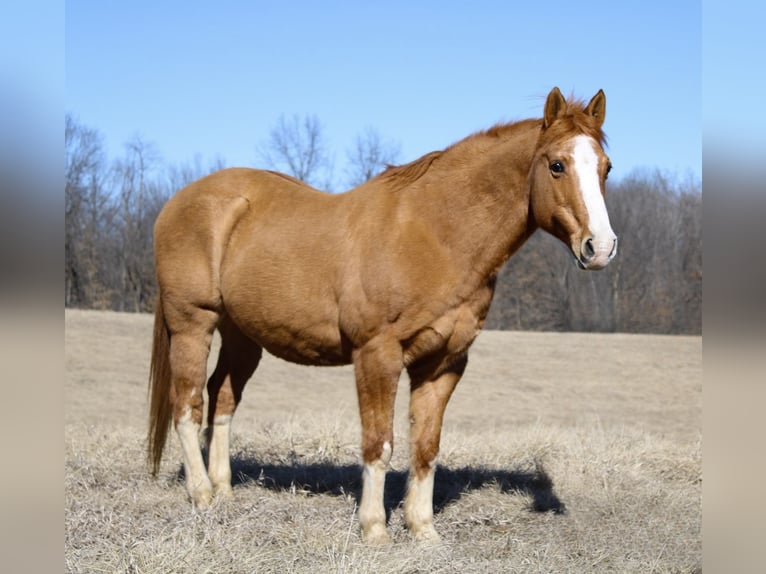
(548, 464)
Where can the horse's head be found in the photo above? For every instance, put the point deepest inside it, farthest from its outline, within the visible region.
(567, 179)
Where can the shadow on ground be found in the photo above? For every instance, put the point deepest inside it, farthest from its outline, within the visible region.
(450, 483)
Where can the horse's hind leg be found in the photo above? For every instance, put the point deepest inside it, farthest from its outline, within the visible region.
(238, 359)
(428, 399)
(191, 330)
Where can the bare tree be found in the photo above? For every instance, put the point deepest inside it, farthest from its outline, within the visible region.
(182, 174)
(369, 156)
(645, 211)
(297, 146)
(533, 290)
(137, 210)
(690, 248)
(87, 211)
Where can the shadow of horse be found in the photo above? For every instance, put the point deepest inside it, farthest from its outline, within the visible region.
(345, 480)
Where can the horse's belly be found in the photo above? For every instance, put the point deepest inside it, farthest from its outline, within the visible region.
(306, 350)
(295, 336)
(285, 307)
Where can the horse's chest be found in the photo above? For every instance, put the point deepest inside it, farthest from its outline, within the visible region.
(451, 334)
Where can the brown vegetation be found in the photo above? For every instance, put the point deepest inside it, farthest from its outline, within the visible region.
(573, 466)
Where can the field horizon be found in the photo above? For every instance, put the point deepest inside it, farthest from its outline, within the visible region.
(560, 452)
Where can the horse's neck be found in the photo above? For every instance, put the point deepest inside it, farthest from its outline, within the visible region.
(482, 184)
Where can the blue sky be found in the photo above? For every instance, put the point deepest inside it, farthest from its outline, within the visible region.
(213, 78)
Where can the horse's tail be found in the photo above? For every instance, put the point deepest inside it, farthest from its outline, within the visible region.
(160, 407)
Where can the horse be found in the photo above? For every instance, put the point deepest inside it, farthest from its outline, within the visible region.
(395, 274)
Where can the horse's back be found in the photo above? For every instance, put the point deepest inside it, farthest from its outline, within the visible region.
(204, 214)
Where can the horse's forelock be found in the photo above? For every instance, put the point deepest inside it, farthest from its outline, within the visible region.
(577, 121)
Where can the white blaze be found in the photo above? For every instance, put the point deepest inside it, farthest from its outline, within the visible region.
(586, 168)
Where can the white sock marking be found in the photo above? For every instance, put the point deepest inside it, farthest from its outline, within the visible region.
(194, 467)
(372, 514)
(219, 468)
(418, 505)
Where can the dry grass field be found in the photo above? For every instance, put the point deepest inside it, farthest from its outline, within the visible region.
(560, 453)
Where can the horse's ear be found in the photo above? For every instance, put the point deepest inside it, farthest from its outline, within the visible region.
(555, 105)
(597, 107)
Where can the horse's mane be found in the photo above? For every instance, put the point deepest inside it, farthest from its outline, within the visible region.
(574, 121)
(402, 175)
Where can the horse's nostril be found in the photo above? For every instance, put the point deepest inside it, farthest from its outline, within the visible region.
(614, 249)
(588, 250)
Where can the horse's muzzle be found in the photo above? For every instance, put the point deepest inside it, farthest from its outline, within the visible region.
(596, 254)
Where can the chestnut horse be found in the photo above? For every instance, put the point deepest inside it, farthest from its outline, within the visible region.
(395, 274)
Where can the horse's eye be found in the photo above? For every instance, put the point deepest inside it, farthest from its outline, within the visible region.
(608, 168)
(557, 167)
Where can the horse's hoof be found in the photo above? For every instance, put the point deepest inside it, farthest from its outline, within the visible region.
(202, 499)
(426, 535)
(224, 493)
(376, 535)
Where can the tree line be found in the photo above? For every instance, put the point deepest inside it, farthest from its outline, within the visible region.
(654, 285)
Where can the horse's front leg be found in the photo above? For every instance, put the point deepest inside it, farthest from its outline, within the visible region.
(428, 399)
(377, 367)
